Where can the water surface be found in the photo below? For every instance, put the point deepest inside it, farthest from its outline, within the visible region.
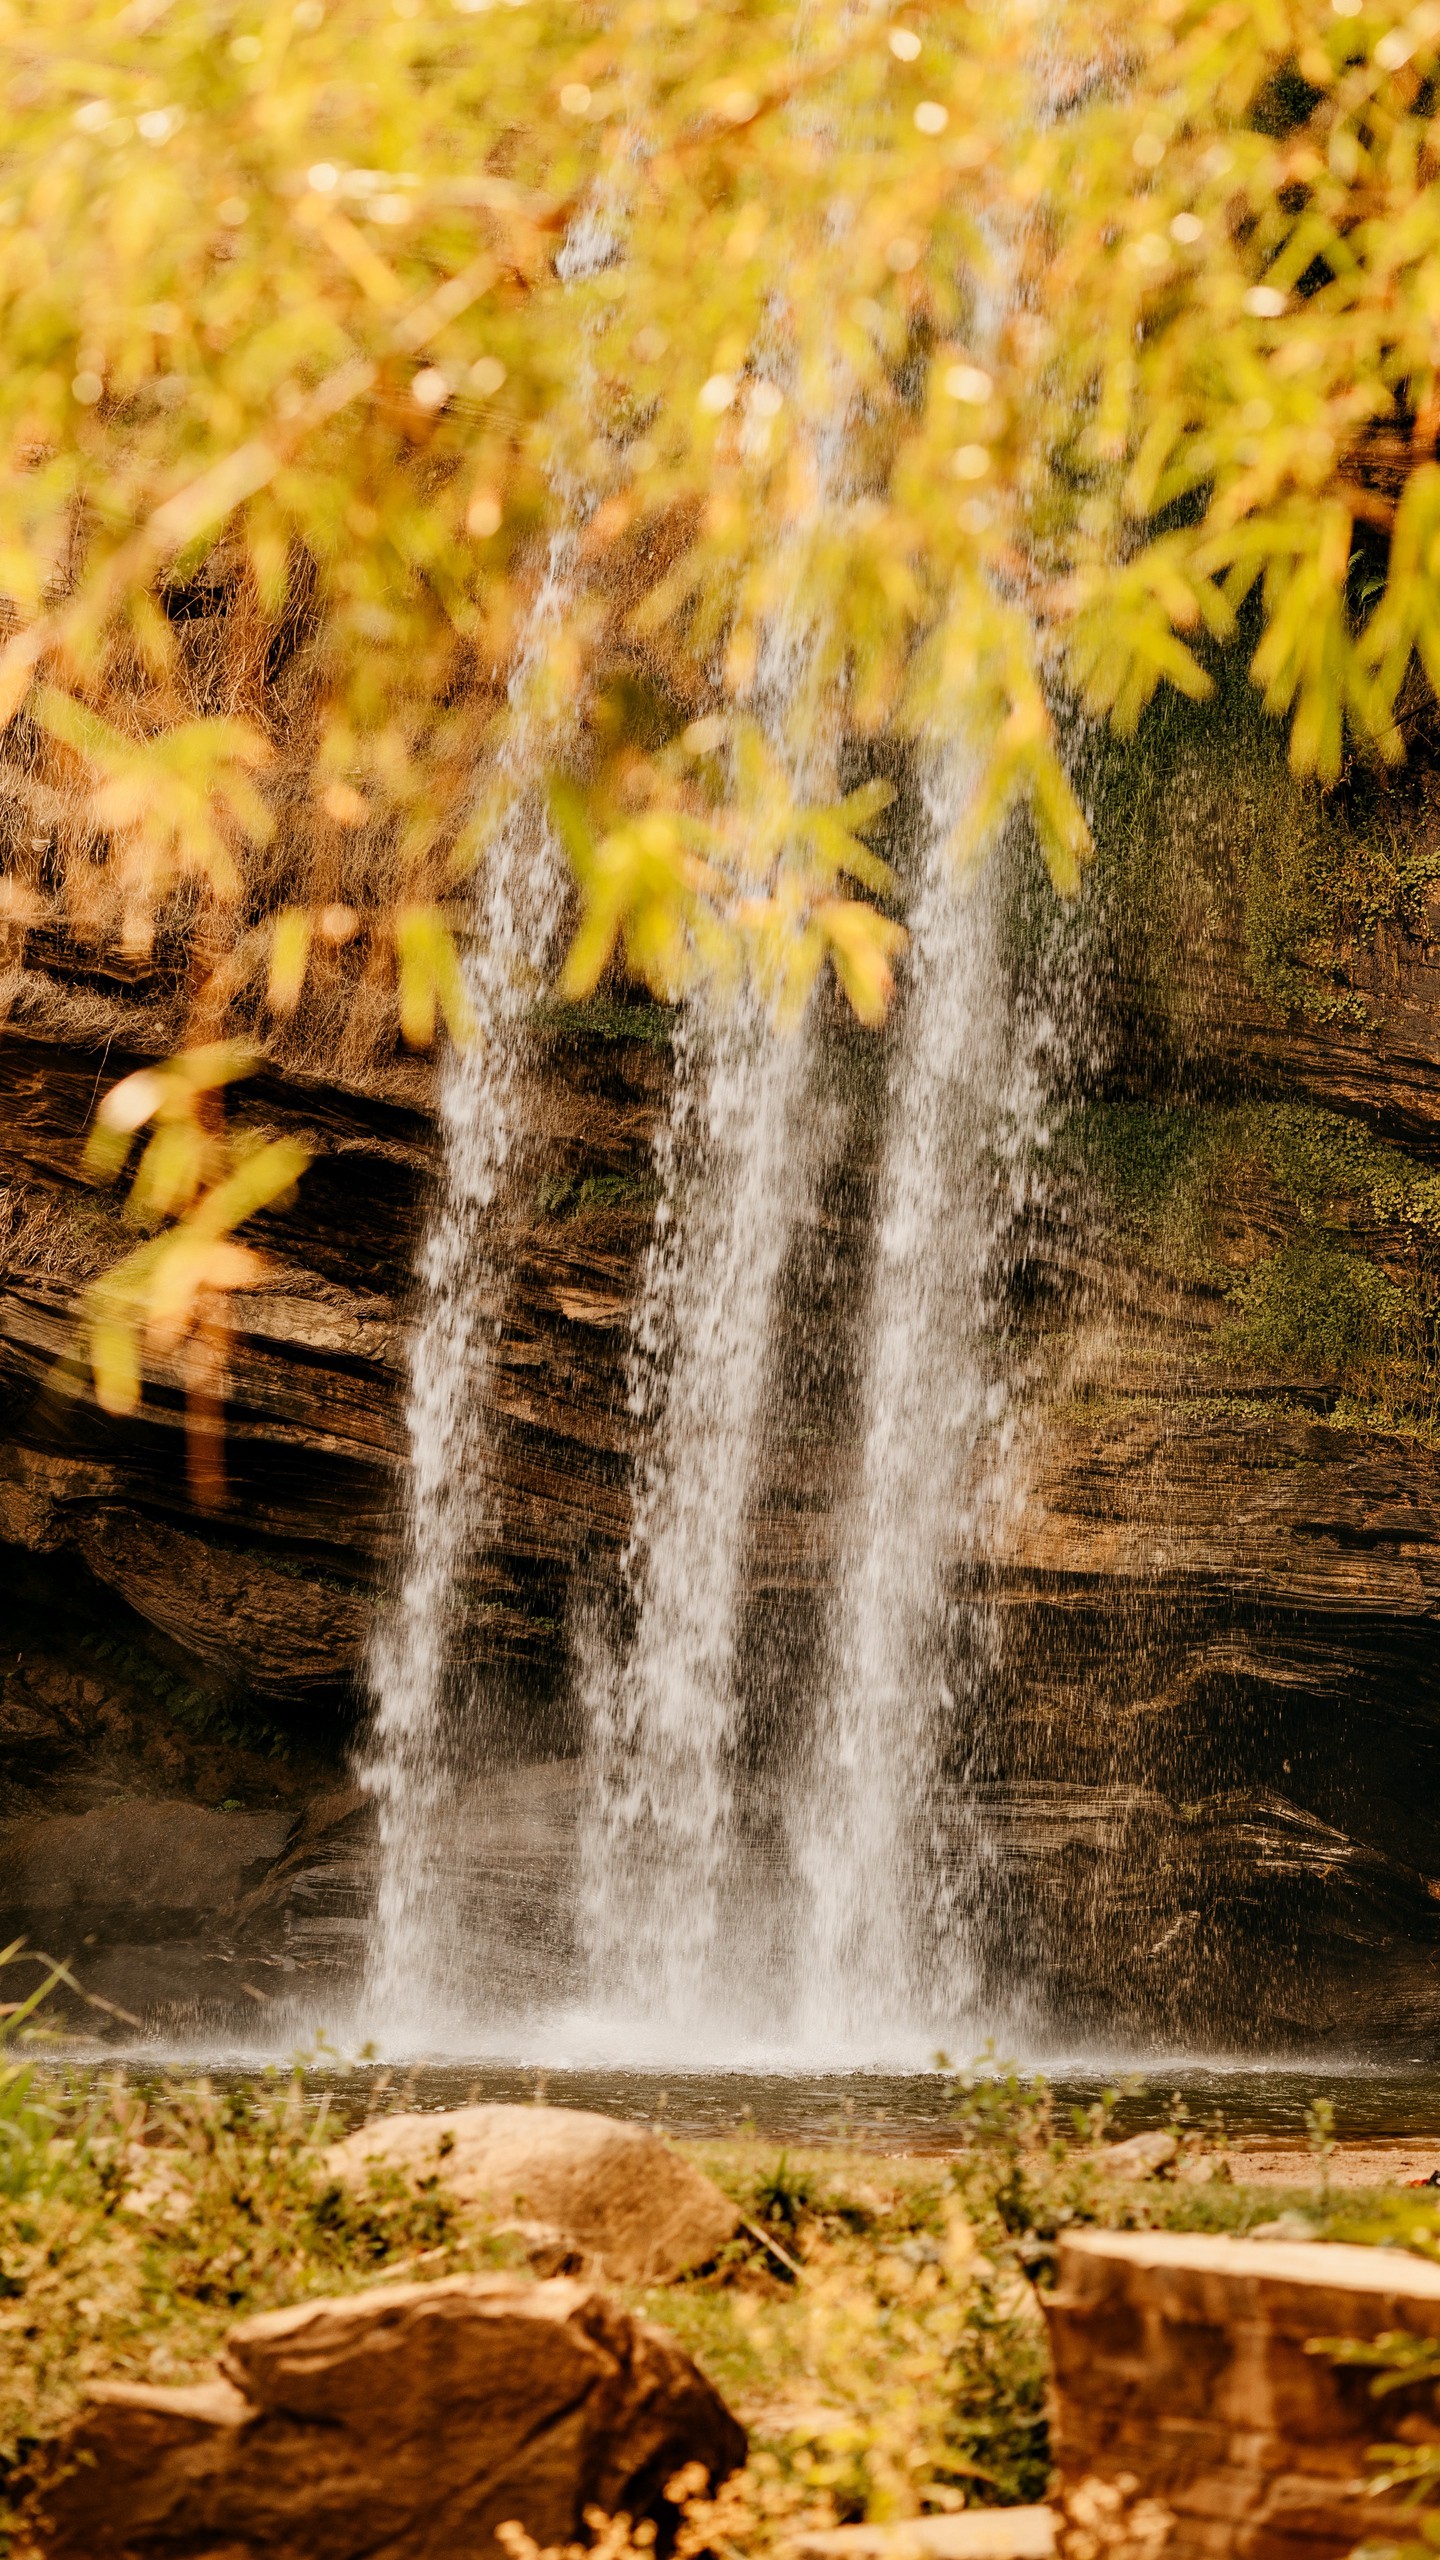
(886, 2111)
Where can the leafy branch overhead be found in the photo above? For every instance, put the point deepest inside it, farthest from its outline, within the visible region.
(742, 385)
(746, 881)
(196, 1183)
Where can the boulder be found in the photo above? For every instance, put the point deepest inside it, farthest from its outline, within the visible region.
(1184, 2361)
(1142, 2156)
(617, 2193)
(402, 2423)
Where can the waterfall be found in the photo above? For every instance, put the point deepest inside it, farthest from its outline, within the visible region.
(421, 1747)
(663, 1713)
(663, 1817)
(866, 1948)
(860, 1941)
(892, 1856)
(416, 1750)
(869, 1944)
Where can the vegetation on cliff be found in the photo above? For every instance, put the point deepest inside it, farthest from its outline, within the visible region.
(1317, 1244)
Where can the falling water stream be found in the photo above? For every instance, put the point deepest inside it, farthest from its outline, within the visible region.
(860, 1946)
(422, 1746)
(418, 1746)
(892, 1860)
(853, 1938)
(663, 1712)
(669, 1944)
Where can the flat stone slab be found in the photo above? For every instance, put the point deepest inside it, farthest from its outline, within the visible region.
(155, 1860)
(1184, 2360)
(1352, 2164)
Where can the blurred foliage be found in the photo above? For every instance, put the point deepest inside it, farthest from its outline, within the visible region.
(714, 393)
(137, 2226)
(1399, 2362)
(170, 1297)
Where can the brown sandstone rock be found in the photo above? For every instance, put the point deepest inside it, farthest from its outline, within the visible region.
(1143, 2155)
(403, 2423)
(615, 2190)
(155, 1862)
(1181, 2358)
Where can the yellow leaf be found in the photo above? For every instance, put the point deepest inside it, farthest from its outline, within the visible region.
(170, 1173)
(125, 1108)
(115, 1359)
(262, 1180)
(862, 944)
(430, 978)
(289, 958)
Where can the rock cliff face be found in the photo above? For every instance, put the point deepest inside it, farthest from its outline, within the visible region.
(1223, 1693)
(1212, 1761)
(271, 1598)
(158, 1653)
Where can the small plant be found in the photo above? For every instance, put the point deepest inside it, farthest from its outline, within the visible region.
(136, 2226)
(1399, 2362)
(1009, 2119)
(1320, 2133)
(785, 2196)
(1315, 1305)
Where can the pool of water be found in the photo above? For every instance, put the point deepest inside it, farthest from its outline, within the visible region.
(893, 2111)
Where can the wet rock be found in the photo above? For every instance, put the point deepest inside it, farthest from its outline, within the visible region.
(1182, 2361)
(408, 2420)
(1209, 1585)
(165, 1861)
(615, 2191)
(139, 1897)
(233, 1608)
(33, 1738)
(276, 1595)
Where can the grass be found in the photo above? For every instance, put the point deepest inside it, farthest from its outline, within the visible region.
(877, 2322)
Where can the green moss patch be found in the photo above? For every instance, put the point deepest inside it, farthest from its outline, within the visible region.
(1318, 1243)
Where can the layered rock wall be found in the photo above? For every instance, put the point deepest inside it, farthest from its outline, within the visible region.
(1214, 1737)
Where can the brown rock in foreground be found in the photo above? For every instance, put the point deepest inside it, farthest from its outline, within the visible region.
(985, 2533)
(615, 2191)
(1182, 2359)
(402, 2423)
